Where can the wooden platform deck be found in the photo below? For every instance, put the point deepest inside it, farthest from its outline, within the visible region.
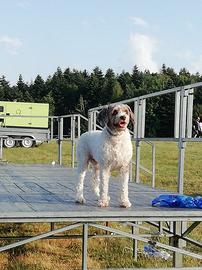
(45, 193)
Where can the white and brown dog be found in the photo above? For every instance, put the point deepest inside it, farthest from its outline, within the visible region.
(106, 150)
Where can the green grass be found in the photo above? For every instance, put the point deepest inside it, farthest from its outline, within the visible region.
(167, 166)
(102, 253)
(42, 154)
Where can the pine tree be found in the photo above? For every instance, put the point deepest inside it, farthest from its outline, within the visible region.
(38, 89)
(24, 89)
(136, 77)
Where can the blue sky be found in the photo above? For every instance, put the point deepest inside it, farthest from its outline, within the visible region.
(37, 36)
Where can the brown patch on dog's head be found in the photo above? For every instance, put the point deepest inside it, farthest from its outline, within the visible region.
(116, 116)
(103, 116)
(132, 115)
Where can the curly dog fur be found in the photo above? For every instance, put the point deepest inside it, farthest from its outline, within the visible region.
(106, 150)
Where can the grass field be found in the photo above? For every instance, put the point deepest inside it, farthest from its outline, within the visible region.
(102, 253)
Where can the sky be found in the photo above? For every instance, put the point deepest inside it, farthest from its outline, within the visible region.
(37, 36)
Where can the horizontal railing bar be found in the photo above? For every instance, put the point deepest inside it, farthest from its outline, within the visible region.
(157, 139)
(39, 116)
(168, 139)
(155, 94)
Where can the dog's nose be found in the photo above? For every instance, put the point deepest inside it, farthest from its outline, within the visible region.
(122, 117)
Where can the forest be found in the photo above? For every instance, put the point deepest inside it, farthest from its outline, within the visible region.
(74, 91)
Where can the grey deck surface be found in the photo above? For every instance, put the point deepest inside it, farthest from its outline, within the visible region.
(30, 193)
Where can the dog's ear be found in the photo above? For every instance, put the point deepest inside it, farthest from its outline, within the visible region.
(131, 114)
(103, 116)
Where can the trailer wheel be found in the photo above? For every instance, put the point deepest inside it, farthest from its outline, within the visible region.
(9, 142)
(27, 142)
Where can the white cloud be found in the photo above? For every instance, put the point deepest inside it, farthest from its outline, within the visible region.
(139, 21)
(189, 25)
(196, 65)
(190, 60)
(143, 49)
(23, 4)
(186, 55)
(12, 45)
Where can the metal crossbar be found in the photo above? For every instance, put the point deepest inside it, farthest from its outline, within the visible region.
(183, 235)
(40, 236)
(145, 240)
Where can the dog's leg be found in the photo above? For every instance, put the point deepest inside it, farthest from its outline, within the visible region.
(124, 188)
(96, 179)
(82, 167)
(104, 198)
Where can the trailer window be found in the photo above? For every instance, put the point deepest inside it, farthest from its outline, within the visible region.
(1, 108)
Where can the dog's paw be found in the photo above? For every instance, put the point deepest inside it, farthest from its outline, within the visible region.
(103, 203)
(97, 193)
(80, 200)
(125, 204)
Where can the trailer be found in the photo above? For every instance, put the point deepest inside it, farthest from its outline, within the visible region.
(23, 123)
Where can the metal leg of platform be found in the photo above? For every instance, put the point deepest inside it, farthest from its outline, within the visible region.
(135, 230)
(176, 242)
(52, 226)
(84, 246)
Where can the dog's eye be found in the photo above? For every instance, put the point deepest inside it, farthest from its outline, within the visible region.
(114, 112)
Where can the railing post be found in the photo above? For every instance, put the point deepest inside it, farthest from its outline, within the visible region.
(60, 139)
(51, 137)
(190, 112)
(153, 165)
(73, 139)
(182, 144)
(89, 121)
(94, 120)
(1, 148)
(79, 126)
(177, 114)
(143, 109)
(137, 162)
(136, 118)
(139, 134)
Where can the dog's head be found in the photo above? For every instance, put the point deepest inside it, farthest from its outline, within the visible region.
(116, 117)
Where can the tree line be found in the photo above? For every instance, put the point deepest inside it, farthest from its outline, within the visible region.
(74, 91)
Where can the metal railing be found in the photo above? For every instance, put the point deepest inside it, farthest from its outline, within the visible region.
(183, 117)
(57, 132)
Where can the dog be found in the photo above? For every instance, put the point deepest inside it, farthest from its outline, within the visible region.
(106, 150)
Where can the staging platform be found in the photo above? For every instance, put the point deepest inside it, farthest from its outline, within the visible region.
(45, 193)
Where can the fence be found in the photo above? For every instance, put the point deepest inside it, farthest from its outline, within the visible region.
(69, 127)
(183, 118)
(61, 128)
